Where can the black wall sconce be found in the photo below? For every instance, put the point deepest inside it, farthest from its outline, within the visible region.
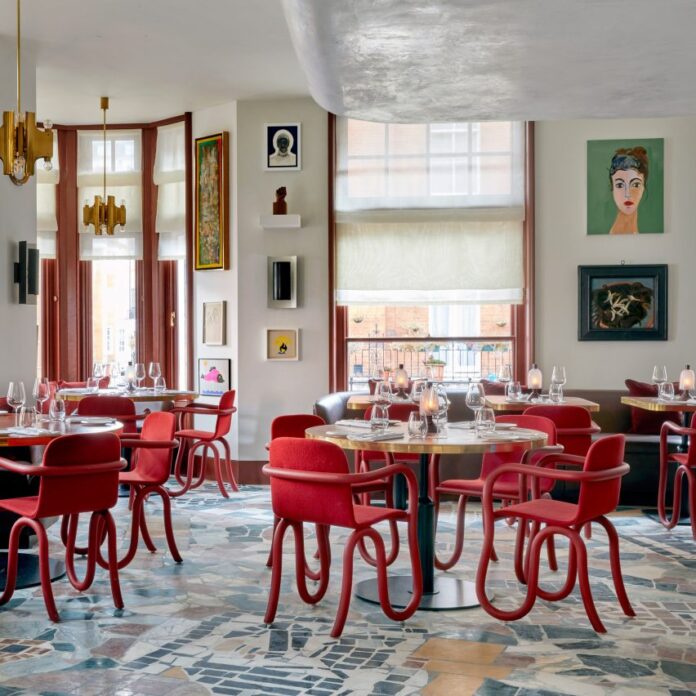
(282, 282)
(26, 273)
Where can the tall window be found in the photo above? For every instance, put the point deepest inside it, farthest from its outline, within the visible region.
(429, 246)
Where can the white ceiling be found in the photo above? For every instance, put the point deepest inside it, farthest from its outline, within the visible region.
(440, 60)
(154, 58)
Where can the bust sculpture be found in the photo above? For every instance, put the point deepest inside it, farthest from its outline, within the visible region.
(280, 206)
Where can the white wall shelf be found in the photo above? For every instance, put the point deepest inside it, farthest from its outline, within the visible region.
(280, 222)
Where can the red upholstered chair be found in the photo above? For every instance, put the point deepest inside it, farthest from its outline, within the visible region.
(205, 440)
(600, 484)
(310, 482)
(574, 426)
(686, 467)
(120, 408)
(506, 489)
(79, 473)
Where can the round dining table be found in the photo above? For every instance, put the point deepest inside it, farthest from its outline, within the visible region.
(28, 563)
(439, 593)
(138, 396)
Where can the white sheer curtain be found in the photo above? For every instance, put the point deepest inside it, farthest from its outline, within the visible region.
(170, 178)
(123, 181)
(429, 213)
(46, 214)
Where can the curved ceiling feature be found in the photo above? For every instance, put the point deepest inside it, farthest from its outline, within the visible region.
(442, 60)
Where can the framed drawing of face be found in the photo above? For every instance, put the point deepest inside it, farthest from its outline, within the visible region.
(283, 152)
(214, 323)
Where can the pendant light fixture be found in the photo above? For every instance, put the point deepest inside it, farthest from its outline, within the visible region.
(21, 141)
(104, 214)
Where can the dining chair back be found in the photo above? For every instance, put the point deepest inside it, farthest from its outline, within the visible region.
(154, 464)
(574, 426)
(294, 425)
(224, 418)
(120, 408)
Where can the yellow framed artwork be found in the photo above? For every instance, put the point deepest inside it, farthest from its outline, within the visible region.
(211, 241)
(282, 344)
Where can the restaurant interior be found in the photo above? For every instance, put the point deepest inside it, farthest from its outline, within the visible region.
(347, 348)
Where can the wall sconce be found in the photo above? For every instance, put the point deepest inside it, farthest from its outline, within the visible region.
(282, 282)
(26, 273)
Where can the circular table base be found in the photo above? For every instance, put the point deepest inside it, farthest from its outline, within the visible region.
(28, 569)
(450, 593)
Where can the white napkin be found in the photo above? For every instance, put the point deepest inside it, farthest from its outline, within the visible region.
(375, 437)
(359, 423)
(28, 432)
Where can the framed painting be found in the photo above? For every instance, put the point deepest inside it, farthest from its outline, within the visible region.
(214, 323)
(626, 186)
(282, 147)
(212, 203)
(622, 303)
(213, 376)
(282, 344)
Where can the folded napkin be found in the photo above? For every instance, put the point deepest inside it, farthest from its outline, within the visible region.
(524, 397)
(28, 432)
(3, 413)
(462, 425)
(375, 437)
(359, 423)
(502, 436)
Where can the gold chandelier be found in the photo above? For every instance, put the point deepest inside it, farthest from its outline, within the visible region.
(21, 141)
(104, 214)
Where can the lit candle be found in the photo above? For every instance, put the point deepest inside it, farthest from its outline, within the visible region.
(429, 406)
(401, 380)
(534, 378)
(687, 379)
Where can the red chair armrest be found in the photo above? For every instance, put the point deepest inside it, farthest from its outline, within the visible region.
(677, 429)
(590, 430)
(543, 451)
(57, 471)
(148, 444)
(209, 411)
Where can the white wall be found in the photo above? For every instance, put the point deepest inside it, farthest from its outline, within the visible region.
(267, 389)
(562, 244)
(17, 223)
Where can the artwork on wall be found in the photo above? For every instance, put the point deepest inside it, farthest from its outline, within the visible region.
(625, 186)
(213, 376)
(282, 344)
(282, 146)
(212, 202)
(214, 323)
(622, 303)
(282, 282)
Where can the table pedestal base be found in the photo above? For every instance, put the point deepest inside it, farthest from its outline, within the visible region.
(28, 569)
(450, 593)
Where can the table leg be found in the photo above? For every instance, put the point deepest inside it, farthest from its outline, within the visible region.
(28, 569)
(400, 492)
(439, 593)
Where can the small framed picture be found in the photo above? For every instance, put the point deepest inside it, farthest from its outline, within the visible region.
(282, 344)
(214, 323)
(213, 376)
(283, 150)
(622, 303)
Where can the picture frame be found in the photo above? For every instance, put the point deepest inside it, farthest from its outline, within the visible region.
(211, 234)
(282, 282)
(215, 323)
(282, 344)
(622, 303)
(213, 376)
(282, 143)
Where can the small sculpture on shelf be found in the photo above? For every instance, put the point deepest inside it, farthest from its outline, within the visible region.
(280, 206)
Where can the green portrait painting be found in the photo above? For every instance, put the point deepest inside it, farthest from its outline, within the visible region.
(625, 186)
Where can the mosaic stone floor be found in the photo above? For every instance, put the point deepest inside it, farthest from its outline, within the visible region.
(197, 628)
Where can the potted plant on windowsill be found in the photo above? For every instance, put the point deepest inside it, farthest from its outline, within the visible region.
(437, 367)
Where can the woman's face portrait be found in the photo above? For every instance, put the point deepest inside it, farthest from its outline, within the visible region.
(628, 186)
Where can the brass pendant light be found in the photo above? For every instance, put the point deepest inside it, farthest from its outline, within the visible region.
(104, 214)
(21, 141)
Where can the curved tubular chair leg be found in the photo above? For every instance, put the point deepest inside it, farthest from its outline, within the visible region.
(393, 533)
(587, 529)
(91, 555)
(188, 483)
(459, 535)
(571, 577)
(131, 498)
(662, 492)
(228, 464)
(218, 471)
(167, 514)
(584, 582)
(615, 560)
(301, 565)
(203, 461)
(134, 535)
(142, 523)
(691, 480)
(315, 575)
(277, 571)
(179, 460)
(107, 521)
(64, 526)
(269, 560)
(671, 522)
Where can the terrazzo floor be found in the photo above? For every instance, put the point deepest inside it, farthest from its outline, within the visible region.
(197, 628)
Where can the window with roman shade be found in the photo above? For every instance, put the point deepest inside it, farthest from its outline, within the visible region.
(46, 217)
(170, 178)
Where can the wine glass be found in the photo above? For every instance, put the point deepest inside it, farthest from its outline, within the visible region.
(558, 375)
(383, 393)
(16, 396)
(505, 376)
(475, 397)
(442, 406)
(485, 420)
(659, 374)
(160, 385)
(140, 373)
(417, 425)
(92, 385)
(379, 417)
(417, 390)
(41, 393)
(97, 370)
(154, 371)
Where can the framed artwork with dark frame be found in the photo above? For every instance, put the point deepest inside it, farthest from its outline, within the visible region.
(622, 303)
(211, 242)
(283, 147)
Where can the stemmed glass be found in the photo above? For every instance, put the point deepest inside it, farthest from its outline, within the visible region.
(383, 393)
(417, 390)
(659, 374)
(475, 397)
(558, 378)
(154, 371)
(505, 377)
(97, 370)
(16, 396)
(140, 373)
(442, 407)
(41, 393)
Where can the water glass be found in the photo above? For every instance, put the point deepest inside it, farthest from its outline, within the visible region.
(16, 396)
(26, 417)
(97, 370)
(379, 417)
(514, 391)
(160, 385)
(666, 391)
(485, 420)
(659, 374)
(417, 390)
(92, 385)
(556, 393)
(56, 410)
(417, 424)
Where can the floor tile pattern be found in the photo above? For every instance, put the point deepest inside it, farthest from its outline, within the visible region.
(197, 628)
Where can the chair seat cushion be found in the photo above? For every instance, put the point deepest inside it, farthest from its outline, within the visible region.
(474, 487)
(367, 515)
(21, 506)
(554, 512)
(195, 434)
(138, 477)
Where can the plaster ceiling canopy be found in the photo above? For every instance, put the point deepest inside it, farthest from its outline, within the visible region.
(443, 60)
(153, 58)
